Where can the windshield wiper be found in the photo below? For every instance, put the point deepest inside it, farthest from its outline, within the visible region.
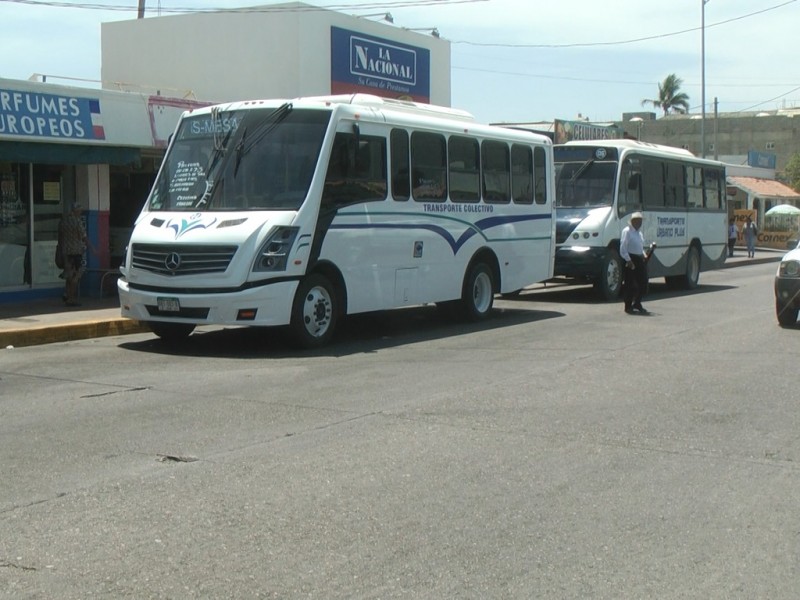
(582, 169)
(239, 153)
(221, 156)
(264, 128)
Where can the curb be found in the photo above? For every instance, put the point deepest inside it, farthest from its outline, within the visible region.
(48, 334)
(753, 261)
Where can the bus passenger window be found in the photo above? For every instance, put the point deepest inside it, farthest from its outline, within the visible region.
(653, 183)
(401, 174)
(465, 172)
(496, 171)
(694, 181)
(356, 171)
(428, 166)
(675, 189)
(540, 171)
(712, 179)
(522, 175)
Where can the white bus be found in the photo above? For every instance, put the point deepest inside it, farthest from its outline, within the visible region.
(272, 213)
(600, 183)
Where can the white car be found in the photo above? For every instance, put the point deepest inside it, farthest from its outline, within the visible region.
(787, 288)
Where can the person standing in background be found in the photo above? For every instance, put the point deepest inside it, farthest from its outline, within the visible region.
(732, 234)
(74, 241)
(750, 233)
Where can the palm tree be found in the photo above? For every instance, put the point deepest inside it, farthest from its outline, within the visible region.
(669, 96)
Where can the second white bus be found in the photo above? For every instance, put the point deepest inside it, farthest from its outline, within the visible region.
(299, 212)
(600, 183)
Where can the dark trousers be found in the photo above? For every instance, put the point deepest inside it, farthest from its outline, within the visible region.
(635, 282)
(731, 245)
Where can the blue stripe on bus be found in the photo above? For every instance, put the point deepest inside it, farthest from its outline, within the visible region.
(479, 227)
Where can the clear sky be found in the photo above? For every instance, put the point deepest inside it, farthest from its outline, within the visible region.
(512, 60)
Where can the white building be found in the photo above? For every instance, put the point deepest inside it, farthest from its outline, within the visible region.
(276, 51)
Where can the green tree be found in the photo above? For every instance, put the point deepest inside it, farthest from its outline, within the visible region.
(670, 98)
(791, 173)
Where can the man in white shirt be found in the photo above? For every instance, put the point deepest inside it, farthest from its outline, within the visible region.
(631, 249)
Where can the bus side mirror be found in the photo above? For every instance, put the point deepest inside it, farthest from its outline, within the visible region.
(633, 181)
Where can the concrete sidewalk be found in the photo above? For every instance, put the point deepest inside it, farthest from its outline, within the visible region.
(47, 321)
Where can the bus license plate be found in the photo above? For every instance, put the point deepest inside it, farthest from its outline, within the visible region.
(169, 305)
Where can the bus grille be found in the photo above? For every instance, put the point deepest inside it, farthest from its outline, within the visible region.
(181, 259)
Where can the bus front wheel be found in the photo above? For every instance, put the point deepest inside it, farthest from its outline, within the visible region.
(314, 312)
(477, 296)
(609, 285)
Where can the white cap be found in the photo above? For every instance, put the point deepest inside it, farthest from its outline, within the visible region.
(637, 215)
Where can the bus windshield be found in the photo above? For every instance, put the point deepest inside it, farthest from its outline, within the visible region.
(588, 183)
(255, 159)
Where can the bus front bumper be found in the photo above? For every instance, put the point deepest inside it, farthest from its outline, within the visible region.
(580, 262)
(263, 306)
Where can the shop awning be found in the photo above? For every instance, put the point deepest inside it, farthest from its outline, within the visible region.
(67, 154)
(764, 188)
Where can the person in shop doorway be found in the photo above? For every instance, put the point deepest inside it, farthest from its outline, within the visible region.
(631, 249)
(73, 241)
(732, 234)
(750, 233)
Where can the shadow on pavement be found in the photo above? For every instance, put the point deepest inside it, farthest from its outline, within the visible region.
(356, 334)
(585, 294)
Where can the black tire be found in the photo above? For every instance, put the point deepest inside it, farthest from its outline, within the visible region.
(171, 332)
(787, 315)
(609, 285)
(692, 275)
(477, 295)
(315, 312)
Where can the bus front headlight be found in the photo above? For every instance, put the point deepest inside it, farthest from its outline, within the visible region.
(274, 253)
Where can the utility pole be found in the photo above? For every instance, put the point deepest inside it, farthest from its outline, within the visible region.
(141, 9)
(703, 76)
(716, 128)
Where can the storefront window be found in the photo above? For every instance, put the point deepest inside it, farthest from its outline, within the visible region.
(14, 225)
(53, 190)
(28, 238)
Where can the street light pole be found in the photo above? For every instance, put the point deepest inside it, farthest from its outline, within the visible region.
(703, 77)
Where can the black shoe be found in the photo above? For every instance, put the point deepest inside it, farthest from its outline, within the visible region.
(629, 310)
(641, 309)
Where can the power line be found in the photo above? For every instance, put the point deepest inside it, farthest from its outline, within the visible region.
(247, 9)
(611, 81)
(620, 42)
(770, 100)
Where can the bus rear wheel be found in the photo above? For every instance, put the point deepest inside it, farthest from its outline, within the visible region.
(314, 312)
(477, 296)
(692, 269)
(689, 280)
(609, 285)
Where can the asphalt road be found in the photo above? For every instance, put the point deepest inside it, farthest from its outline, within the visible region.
(561, 450)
